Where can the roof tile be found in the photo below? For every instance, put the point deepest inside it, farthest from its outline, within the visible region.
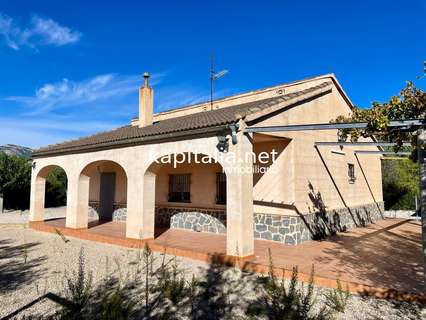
(194, 121)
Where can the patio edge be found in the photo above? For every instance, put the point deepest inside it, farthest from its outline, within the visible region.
(242, 263)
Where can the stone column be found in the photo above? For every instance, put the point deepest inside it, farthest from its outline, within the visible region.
(78, 202)
(148, 213)
(239, 201)
(140, 206)
(38, 186)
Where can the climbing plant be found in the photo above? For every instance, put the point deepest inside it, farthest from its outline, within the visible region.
(409, 104)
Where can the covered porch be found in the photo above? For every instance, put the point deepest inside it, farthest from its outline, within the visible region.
(129, 186)
(383, 259)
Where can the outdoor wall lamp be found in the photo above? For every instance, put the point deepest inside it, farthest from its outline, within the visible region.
(223, 144)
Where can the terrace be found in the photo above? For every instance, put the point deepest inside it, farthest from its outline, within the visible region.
(382, 259)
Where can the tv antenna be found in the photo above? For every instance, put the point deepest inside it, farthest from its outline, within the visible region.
(214, 76)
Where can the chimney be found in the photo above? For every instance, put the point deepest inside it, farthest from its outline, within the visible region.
(146, 102)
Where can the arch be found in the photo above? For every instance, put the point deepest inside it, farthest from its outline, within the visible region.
(153, 166)
(102, 193)
(42, 196)
(99, 163)
(197, 209)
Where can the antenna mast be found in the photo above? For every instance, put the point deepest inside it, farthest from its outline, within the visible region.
(211, 80)
(214, 76)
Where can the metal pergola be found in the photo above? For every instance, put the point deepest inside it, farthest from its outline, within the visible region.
(399, 153)
(359, 144)
(409, 125)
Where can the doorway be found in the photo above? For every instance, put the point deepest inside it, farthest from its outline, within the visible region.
(106, 196)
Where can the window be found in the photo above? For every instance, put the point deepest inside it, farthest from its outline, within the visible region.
(220, 188)
(179, 188)
(351, 172)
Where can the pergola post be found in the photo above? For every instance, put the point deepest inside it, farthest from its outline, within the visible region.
(411, 124)
(421, 139)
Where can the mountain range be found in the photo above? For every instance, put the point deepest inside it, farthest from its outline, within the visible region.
(11, 149)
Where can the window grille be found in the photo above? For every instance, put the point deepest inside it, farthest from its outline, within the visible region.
(220, 188)
(351, 172)
(179, 188)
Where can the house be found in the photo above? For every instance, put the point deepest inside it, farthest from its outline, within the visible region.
(197, 168)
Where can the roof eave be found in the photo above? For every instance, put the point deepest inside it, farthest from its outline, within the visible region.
(172, 136)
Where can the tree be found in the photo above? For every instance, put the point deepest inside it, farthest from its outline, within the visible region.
(400, 179)
(409, 104)
(56, 188)
(15, 181)
(400, 184)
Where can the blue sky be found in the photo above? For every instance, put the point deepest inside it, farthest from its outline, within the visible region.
(72, 68)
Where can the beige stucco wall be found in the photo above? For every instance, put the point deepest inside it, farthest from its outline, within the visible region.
(308, 166)
(94, 172)
(287, 181)
(136, 162)
(274, 188)
(203, 185)
(250, 96)
(283, 186)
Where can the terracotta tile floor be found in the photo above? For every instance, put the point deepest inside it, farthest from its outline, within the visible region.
(385, 255)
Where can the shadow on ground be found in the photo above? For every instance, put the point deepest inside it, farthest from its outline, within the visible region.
(146, 292)
(373, 256)
(16, 268)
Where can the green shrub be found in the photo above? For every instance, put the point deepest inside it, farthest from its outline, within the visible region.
(115, 306)
(171, 282)
(212, 295)
(15, 181)
(400, 184)
(78, 289)
(337, 299)
(163, 293)
(277, 302)
(56, 188)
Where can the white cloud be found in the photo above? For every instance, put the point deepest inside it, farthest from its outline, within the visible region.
(68, 93)
(9, 31)
(69, 109)
(40, 31)
(49, 32)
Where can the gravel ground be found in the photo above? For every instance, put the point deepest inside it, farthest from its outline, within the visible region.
(48, 258)
(20, 217)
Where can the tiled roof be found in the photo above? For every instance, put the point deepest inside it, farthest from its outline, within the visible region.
(165, 128)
